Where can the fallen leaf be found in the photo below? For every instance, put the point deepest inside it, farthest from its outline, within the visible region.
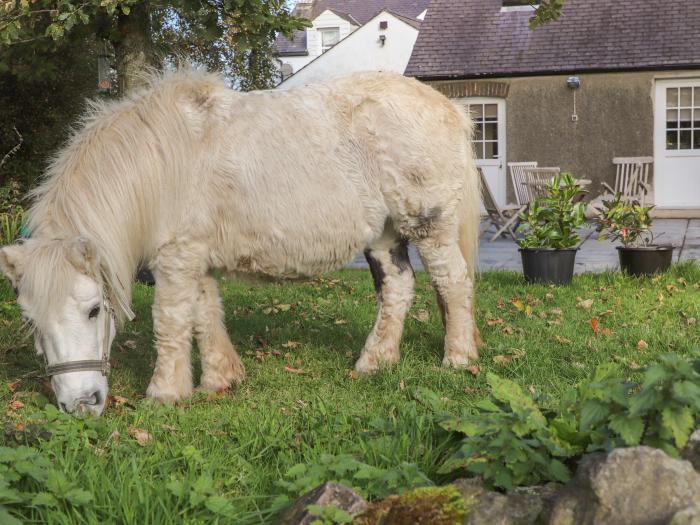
(607, 332)
(557, 311)
(169, 428)
(561, 339)
(549, 296)
(354, 374)
(494, 322)
(283, 307)
(117, 401)
(518, 304)
(341, 321)
(114, 436)
(13, 386)
(16, 404)
(528, 310)
(140, 435)
(473, 370)
(595, 325)
(422, 316)
(690, 321)
(642, 344)
(507, 330)
(291, 344)
(130, 344)
(586, 305)
(502, 359)
(292, 370)
(402, 385)
(634, 365)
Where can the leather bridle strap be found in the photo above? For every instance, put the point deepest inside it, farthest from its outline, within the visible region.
(89, 365)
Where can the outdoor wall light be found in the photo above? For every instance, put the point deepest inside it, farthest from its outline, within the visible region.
(573, 82)
(382, 39)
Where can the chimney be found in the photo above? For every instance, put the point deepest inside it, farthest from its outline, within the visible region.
(304, 8)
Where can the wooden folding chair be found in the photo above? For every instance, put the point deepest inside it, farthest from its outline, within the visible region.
(517, 178)
(631, 178)
(536, 180)
(504, 219)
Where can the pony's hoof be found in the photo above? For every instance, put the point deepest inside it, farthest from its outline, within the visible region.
(457, 361)
(166, 395)
(370, 362)
(219, 382)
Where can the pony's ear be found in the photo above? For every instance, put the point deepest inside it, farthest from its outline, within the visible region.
(83, 256)
(12, 259)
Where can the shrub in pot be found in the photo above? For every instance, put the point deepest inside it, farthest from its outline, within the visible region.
(548, 248)
(630, 223)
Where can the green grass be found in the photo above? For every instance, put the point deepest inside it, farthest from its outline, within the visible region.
(240, 444)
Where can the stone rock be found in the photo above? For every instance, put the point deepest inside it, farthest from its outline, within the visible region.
(424, 506)
(523, 506)
(324, 495)
(691, 450)
(689, 516)
(634, 486)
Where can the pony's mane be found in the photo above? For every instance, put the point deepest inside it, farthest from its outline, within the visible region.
(97, 185)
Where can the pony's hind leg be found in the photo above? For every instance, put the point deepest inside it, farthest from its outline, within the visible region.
(177, 270)
(221, 365)
(393, 281)
(448, 270)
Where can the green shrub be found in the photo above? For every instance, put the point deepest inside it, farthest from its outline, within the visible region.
(551, 222)
(626, 221)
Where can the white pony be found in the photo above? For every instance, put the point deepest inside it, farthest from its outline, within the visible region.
(188, 176)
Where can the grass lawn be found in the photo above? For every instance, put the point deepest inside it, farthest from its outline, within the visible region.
(218, 458)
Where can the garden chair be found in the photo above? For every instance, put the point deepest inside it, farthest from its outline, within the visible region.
(517, 178)
(504, 219)
(536, 180)
(631, 178)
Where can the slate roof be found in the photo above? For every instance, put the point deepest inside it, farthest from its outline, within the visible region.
(358, 12)
(472, 38)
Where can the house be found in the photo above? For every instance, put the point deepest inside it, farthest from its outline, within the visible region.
(635, 91)
(348, 36)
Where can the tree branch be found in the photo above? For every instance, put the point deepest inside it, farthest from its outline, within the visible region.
(13, 150)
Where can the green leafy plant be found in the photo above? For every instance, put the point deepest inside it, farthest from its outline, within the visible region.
(551, 221)
(626, 221)
(328, 515)
(509, 441)
(369, 481)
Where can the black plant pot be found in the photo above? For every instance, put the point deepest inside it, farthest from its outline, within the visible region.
(645, 260)
(545, 265)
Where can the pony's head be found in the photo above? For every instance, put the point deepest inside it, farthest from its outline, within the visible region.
(61, 293)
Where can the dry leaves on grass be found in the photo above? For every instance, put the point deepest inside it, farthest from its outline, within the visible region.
(291, 344)
(585, 304)
(15, 404)
(642, 344)
(473, 370)
(292, 370)
(140, 435)
(422, 316)
(595, 325)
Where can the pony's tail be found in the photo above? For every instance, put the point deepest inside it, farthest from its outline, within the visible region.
(469, 208)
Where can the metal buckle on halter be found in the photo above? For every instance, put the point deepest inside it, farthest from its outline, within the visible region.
(88, 365)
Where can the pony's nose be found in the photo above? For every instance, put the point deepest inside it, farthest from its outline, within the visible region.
(92, 399)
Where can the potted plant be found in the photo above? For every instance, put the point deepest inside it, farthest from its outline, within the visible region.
(630, 223)
(550, 223)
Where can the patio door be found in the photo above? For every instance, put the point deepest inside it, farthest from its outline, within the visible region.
(489, 115)
(677, 144)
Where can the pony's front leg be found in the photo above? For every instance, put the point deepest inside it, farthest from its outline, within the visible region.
(177, 271)
(221, 365)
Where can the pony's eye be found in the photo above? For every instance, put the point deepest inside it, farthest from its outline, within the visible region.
(94, 312)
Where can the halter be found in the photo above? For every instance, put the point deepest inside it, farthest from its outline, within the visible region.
(96, 365)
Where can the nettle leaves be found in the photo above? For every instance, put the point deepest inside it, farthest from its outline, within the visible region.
(512, 440)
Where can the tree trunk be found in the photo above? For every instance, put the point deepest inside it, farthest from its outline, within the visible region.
(134, 48)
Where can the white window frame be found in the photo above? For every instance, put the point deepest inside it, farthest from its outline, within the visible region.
(327, 30)
(694, 109)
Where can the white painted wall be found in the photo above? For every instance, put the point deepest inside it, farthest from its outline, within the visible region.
(327, 19)
(361, 51)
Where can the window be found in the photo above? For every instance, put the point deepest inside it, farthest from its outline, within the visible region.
(683, 118)
(330, 36)
(485, 118)
(519, 5)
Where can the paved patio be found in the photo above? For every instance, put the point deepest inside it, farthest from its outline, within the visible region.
(595, 256)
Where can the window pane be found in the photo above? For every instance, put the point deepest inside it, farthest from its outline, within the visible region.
(671, 97)
(686, 97)
(479, 131)
(330, 37)
(696, 102)
(479, 150)
(671, 140)
(685, 139)
(491, 112)
(477, 111)
(685, 118)
(491, 150)
(696, 118)
(491, 131)
(696, 139)
(671, 118)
